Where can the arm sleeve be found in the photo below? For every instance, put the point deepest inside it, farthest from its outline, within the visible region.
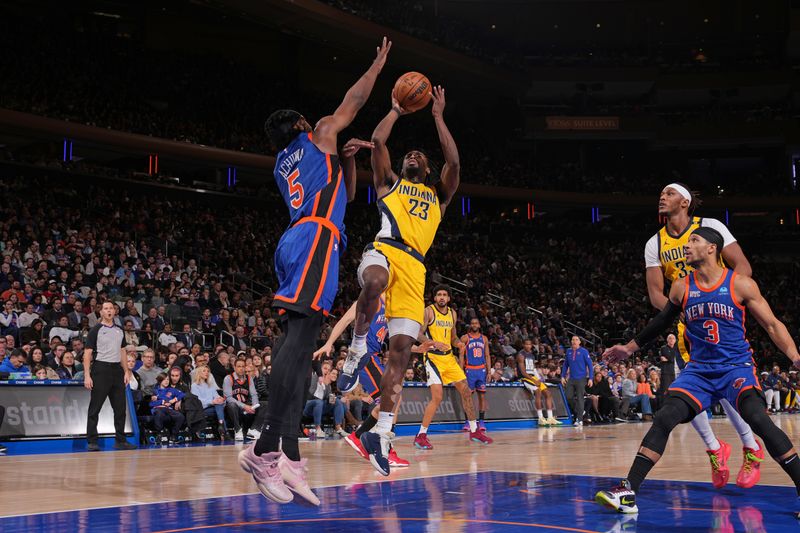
(564, 367)
(651, 253)
(5, 319)
(662, 321)
(589, 365)
(91, 339)
(253, 393)
(727, 236)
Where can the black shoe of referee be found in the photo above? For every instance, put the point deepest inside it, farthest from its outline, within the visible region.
(124, 445)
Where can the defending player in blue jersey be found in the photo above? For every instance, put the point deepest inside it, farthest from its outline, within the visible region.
(477, 363)
(714, 301)
(368, 372)
(316, 187)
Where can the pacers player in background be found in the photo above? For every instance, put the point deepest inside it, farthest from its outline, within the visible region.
(477, 363)
(442, 368)
(533, 381)
(664, 258)
(310, 179)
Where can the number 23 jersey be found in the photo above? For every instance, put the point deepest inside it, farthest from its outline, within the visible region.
(410, 213)
(665, 251)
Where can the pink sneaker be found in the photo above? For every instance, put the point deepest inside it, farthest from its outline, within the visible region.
(395, 461)
(266, 474)
(480, 436)
(294, 476)
(355, 443)
(421, 441)
(465, 427)
(750, 473)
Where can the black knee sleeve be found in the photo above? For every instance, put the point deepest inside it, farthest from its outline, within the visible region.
(675, 411)
(753, 409)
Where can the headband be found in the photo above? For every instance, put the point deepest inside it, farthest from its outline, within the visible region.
(711, 235)
(683, 191)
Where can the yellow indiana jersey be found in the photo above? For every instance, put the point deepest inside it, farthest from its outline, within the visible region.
(440, 329)
(410, 213)
(670, 251)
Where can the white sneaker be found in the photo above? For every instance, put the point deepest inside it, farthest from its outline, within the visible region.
(342, 433)
(253, 434)
(238, 436)
(552, 421)
(295, 477)
(620, 498)
(543, 422)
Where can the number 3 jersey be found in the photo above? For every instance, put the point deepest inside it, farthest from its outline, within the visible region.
(665, 251)
(715, 328)
(410, 213)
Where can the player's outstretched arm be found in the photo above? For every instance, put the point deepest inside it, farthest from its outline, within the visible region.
(653, 329)
(329, 127)
(337, 331)
(383, 177)
(349, 170)
(748, 292)
(451, 171)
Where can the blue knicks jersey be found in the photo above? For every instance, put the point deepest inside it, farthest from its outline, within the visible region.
(715, 331)
(311, 182)
(377, 330)
(476, 352)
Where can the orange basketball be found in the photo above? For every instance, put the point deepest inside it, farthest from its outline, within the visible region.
(413, 91)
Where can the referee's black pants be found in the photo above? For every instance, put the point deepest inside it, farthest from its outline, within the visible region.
(109, 382)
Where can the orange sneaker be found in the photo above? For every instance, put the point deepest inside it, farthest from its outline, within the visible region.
(751, 467)
(719, 464)
(395, 461)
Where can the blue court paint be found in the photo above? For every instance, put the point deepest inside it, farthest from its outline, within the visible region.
(479, 502)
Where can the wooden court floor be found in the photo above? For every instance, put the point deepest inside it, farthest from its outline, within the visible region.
(49, 483)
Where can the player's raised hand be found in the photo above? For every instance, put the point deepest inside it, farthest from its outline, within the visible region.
(616, 353)
(354, 145)
(325, 350)
(437, 95)
(383, 52)
(397, 108)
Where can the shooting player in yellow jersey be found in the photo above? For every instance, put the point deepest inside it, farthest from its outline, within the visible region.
(411, 207)
(664, 259)
(443, 368)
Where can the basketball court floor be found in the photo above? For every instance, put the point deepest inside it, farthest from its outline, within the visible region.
(528, 480)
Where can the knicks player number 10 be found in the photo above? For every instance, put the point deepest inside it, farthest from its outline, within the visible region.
(296, 192)
(419, 209)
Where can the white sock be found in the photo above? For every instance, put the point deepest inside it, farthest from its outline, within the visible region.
(423, 430)
(384, 425)
(741, 427)
(549, 413)
(359, 342)
(539, 412)
(703, 428)
(473, 426)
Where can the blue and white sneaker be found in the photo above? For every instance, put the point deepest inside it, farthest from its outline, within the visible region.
(348, 378)
(377, 448)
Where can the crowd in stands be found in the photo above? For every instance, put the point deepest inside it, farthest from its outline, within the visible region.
(195, 325)
(491, 44)
(98, 78)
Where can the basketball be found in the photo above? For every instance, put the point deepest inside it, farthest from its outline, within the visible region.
(413, 91)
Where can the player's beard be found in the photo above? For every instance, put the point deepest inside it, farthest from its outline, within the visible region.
(414, 173)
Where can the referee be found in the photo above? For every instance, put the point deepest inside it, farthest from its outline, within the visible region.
(106, 376)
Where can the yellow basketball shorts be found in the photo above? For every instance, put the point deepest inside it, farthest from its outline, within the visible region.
(443, 369)
(532, 386)
(405, 293)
